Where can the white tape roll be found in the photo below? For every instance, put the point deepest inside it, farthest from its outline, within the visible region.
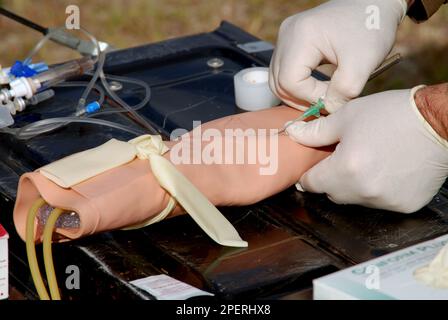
(252, 90)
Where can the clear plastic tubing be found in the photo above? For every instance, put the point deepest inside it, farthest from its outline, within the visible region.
(75, 68)
(40, 97)
(82, 100)
(40, 127)
(45, 126)
(37, 47)
(101, 59)
(75, 84)
(134, 113)
(136, 107)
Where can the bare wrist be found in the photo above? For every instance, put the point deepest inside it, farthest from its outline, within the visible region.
(432, 102)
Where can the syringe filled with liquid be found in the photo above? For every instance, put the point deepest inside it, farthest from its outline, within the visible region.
(62, 72)
(26, 87)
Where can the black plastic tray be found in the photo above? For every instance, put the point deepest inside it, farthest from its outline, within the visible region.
(293, 237)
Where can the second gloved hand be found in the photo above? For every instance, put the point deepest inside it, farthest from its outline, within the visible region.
(388, 156)
(354, 35)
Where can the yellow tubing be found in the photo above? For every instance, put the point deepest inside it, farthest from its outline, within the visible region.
(31, 251)
(48, 255)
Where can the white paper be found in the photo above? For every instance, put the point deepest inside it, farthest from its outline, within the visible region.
(164, 287)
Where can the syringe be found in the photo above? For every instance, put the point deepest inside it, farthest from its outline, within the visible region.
(27, 87)
(313, 111)
(62, 72)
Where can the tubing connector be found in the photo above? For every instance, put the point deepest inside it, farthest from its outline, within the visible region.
(24, 87)
(92, 107)
(5, 95)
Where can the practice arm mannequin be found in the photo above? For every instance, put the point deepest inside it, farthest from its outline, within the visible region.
(237, 185)
(130, 194)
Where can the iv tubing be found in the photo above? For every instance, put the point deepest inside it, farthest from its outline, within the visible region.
(31, 251)
(47, 125)
(138, 117)
(99, 58)
(136, 107)
(48, 255)
(74, 84)
(42, 126)
(27, 131)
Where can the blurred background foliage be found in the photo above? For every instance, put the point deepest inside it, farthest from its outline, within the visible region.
(127, 23)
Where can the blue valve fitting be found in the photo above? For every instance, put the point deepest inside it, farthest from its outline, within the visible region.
(92, 107)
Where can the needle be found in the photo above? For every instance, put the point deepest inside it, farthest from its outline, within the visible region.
(314, 110)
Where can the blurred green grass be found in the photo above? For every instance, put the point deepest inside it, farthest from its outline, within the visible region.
(127, 23)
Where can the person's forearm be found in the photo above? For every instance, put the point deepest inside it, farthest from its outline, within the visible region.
(432, 103)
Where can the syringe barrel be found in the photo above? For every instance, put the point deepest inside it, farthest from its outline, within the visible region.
(62, 72)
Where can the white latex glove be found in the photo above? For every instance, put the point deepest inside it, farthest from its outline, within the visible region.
(388, 157)
(335, 32)
(436, 273)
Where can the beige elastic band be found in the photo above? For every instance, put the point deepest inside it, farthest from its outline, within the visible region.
(82, 166)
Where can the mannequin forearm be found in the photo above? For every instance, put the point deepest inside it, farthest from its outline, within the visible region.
(243, 184)
(130, 194)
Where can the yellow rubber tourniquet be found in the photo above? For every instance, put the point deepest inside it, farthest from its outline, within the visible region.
(162, 215)
(48, 255)
(31, 251)
(203, 212)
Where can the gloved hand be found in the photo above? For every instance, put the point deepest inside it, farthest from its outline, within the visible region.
(388, 156)
(436, 273)
(354, 35)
